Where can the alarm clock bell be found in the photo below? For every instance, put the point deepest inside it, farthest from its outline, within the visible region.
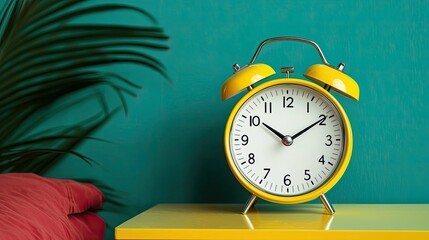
(331, 77)
(245, 78)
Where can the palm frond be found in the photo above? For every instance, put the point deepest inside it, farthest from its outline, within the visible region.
(47, 61)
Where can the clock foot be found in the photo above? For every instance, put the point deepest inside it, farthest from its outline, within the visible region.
(327, 205)
(250, 202)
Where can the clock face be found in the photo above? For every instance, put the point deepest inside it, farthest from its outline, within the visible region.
(287, 139)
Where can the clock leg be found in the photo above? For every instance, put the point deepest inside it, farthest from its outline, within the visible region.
(327, 205)
(250, 202)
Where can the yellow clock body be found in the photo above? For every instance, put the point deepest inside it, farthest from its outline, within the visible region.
(288, 141)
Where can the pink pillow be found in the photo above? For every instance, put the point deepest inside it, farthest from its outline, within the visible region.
(34, 207)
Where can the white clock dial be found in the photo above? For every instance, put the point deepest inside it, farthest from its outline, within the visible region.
(287, 139)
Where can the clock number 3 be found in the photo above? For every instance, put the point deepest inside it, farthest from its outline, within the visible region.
(329, 139)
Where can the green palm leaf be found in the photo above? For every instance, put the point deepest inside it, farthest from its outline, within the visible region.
(50, 64)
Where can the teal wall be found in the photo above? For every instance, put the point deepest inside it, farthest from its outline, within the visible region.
(169, 148)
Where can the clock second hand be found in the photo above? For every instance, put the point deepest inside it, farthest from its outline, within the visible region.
(286, 139)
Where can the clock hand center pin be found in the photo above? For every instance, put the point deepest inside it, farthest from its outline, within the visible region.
(286, 139)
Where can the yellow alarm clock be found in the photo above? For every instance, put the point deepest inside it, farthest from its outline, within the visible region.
(288, 140)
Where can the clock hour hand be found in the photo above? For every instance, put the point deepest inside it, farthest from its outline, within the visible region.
(286, 139)
(308, 128)
(277, 133)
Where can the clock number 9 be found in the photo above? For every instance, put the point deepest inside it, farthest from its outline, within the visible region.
(245, 140)
(286, 180)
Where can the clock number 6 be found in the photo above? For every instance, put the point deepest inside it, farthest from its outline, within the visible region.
(286, 180)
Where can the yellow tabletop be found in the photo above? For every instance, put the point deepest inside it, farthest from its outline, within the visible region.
(273, 221)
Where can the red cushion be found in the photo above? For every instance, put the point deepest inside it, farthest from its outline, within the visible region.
(34, 207)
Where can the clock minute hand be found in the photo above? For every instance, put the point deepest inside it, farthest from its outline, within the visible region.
(307, 128)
